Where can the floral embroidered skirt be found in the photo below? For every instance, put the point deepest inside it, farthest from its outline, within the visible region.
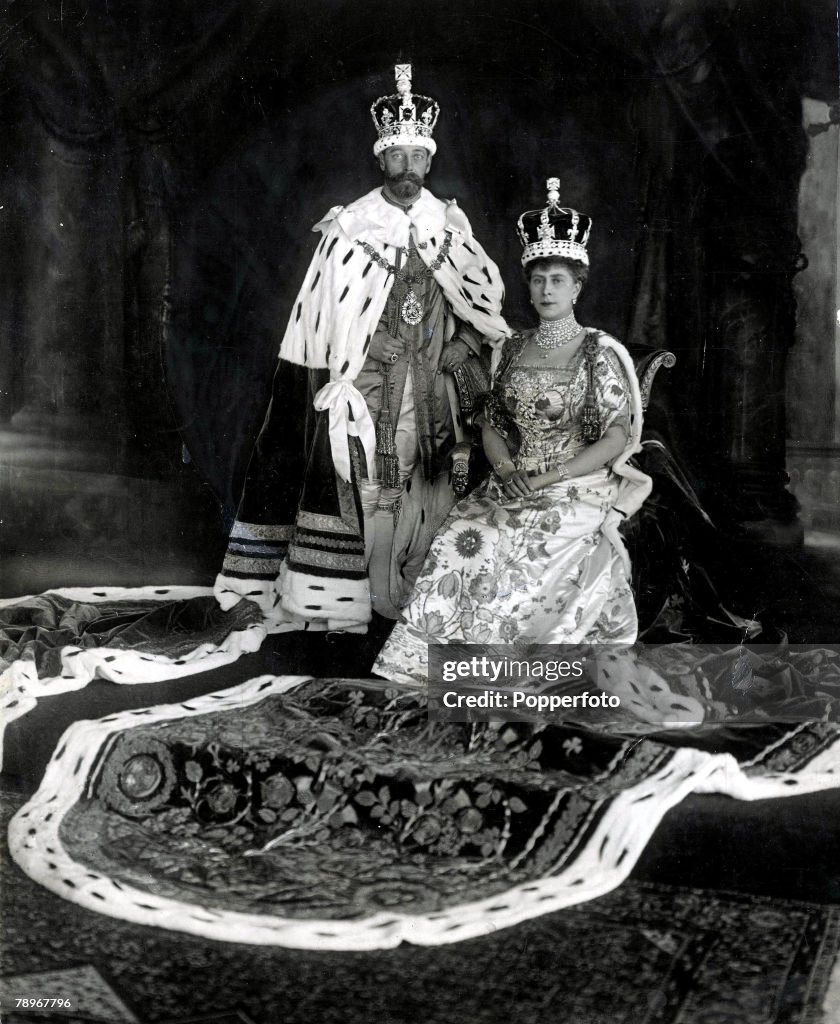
(531, 570)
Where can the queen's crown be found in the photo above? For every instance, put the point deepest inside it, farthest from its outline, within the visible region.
(555, 230)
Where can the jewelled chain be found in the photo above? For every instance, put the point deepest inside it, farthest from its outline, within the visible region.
(402, 274)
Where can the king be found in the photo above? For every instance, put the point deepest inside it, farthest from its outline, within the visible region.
(349, 479)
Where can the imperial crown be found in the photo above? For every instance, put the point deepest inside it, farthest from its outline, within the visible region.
(404, 119)
(554, 230)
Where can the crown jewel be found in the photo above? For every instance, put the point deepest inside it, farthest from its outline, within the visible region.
(404, 119)
(555, 230)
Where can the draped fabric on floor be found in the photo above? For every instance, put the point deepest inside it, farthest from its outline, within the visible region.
(61, 640)
(333, 814)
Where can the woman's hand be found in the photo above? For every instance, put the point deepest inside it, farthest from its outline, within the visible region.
(384, 348)
(516, 484)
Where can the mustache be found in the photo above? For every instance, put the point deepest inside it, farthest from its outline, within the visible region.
(395, 179)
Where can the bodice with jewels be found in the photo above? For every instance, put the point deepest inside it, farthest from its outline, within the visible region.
(546, 402)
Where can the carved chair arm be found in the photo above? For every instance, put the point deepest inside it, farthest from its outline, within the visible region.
(647, 367)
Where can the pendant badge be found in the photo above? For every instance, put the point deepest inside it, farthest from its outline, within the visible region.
(412, 309)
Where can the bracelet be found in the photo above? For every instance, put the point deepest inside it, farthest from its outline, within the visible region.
(562, 470)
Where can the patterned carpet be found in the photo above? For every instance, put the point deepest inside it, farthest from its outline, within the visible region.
(642, 955)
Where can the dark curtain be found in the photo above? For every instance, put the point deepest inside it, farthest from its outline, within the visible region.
(164, 163)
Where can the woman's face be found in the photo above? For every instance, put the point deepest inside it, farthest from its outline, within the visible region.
(553, 291)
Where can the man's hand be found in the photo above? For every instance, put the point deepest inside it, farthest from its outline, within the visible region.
(455, 353)
(384, 348)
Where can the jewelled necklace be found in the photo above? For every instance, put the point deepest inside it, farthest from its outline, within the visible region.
(552, 334)
(411, 310)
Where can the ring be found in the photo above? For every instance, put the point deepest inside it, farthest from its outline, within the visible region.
(394, 357)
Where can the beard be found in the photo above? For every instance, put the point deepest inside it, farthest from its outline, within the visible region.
(405, 185)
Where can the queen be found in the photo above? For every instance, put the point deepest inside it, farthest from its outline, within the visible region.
(534, 554)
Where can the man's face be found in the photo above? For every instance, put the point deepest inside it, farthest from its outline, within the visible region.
(405, 169)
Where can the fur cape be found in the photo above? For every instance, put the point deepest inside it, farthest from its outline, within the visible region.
(345, 290)
(635, 485)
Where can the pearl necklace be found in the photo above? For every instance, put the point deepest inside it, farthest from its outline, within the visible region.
(553, 334)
